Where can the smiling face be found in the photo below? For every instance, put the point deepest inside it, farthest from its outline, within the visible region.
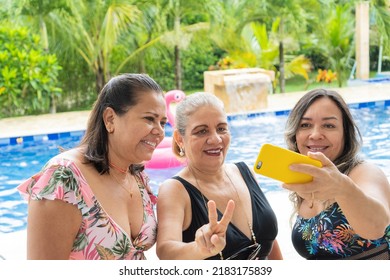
(207, 138)
(137, 133)
(321, 129)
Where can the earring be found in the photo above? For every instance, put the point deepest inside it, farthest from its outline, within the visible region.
(181, 153)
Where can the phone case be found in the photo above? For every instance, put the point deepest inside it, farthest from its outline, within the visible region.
(273, 162)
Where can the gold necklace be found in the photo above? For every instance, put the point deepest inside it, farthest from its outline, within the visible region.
(238, 197)
(121, 185)
(324, 203)
(311, 201)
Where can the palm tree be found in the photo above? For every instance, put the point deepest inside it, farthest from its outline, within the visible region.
(181, 20)
(292, 16)
(93, 30)
(266, 49)
(240, 28)
(227, 19)
(334, 37)
(165, 25)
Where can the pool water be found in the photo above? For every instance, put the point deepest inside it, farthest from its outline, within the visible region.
(21, 159)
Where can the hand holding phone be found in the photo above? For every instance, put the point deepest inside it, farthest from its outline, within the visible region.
(274, 162)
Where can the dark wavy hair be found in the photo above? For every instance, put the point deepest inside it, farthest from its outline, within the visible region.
(121, 93)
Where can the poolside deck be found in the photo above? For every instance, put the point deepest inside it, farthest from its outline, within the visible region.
(13, 245)
(73, 121)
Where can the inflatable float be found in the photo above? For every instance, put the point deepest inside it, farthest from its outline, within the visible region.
(163, 156)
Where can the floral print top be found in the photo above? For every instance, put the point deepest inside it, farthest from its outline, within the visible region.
(99, 237)
(329, 236)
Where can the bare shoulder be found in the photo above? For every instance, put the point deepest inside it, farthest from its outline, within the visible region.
(173, 197)
(171, 188)
(367, 169)
(169, 184)
(368, 174)
(75, 155)
(232, 168)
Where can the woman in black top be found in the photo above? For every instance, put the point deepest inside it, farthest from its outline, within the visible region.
(212, 210)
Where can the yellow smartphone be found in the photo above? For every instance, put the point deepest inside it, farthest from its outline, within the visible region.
(273, 162)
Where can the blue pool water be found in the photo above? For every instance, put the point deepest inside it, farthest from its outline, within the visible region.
(21, 159)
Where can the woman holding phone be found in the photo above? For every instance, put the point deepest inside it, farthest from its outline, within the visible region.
(344, 212)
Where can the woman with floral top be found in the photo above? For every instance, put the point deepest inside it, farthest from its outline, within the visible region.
(94, 202)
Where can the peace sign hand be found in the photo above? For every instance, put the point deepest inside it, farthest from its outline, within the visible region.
(211, 238)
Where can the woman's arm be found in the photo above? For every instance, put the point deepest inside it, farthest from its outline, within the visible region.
(51, 229)
(364, 195)
(174, 215)
(275, 253)
(365, 200)
(171, 208)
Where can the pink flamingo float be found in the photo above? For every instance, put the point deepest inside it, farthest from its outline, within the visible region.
(163, 156)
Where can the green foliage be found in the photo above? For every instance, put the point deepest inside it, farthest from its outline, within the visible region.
(337, 41)
(262, 50)
(196, 60)
(28, 76)
(317, 58)
(160, 66)
(374, 53)
(94, 40)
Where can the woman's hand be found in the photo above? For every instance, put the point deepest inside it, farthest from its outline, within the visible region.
(363, 195)
(326, 179)
(211, 238)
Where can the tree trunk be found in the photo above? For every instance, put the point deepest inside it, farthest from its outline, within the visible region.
(53, 105)
(281, 68)
(178, 72)
(141, 66)
(99, 80)
(45, 45)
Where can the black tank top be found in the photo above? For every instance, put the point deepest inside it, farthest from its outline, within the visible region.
(264, 222)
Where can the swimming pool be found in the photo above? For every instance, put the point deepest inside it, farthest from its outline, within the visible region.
(21, 158)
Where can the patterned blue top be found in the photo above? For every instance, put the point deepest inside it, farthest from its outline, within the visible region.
(329, 236)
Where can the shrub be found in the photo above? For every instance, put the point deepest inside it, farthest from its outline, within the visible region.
(28, 75)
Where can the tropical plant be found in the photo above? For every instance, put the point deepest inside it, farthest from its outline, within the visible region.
(242, 33)
(37, 14)
(28, 75)
(93, 29)
(261, 49)
(380, 27)
(291, 17)
(227, 19)
(164, 27)
(335, 39)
